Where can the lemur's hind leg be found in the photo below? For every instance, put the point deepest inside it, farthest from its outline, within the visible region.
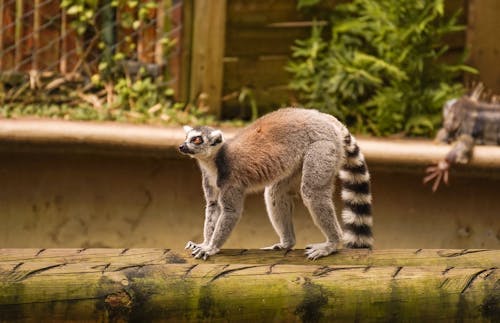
(318, 172)
(279, 205)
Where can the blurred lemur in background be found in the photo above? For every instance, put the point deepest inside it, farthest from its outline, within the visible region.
(467, 122)
(285, 151)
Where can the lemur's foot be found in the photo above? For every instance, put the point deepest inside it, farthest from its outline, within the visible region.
(318, 250)
(191, 245)
(279, 246)
(203, 251)
(436, 173)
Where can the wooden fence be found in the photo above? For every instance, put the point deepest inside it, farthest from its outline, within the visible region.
(39, 36)
(222, 46)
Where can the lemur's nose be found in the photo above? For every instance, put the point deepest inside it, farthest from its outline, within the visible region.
(181, 147)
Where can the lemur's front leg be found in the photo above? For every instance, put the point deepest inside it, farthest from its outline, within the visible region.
(231, 204)
(212, 212)
(460, 153)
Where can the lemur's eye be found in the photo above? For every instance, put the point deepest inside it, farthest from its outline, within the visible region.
(197, 140)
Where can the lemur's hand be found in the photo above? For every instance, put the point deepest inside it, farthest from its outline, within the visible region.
(437, 172)
(203, 251)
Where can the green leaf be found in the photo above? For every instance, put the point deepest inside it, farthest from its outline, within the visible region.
(379, 68)
(74, 10)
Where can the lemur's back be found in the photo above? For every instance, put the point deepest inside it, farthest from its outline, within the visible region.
(275, 144)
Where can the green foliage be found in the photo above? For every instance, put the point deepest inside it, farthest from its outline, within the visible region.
(122, 88)
(83, 12)
(380, 67)
(110, 84)
(169, 114)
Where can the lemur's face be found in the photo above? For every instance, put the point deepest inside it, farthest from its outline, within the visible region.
(201, 142)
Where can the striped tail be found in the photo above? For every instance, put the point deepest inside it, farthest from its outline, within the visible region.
(356, 196)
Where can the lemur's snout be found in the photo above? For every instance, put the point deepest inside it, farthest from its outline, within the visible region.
(185, 149)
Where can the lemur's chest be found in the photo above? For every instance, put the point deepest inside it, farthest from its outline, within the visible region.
(209, 171)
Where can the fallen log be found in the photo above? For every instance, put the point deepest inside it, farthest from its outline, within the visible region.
(165, 285)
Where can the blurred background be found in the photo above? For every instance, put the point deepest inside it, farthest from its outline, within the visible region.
(385, 68)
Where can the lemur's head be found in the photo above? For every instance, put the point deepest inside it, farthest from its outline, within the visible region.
(201, 142)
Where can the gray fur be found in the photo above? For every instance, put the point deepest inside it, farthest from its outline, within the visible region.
(284, 152)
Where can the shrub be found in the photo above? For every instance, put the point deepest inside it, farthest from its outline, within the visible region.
(379, 68)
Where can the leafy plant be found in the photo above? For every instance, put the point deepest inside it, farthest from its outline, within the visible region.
(122, 87)
(380, 66)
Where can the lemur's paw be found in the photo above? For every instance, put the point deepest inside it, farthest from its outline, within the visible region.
(203, 251)
(191, 245)
(318, 250)
(279, 246)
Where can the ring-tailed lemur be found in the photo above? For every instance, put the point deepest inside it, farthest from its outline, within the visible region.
(279, 151)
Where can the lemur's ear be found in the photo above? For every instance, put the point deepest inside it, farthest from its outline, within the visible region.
(187, 128)
(216, 137)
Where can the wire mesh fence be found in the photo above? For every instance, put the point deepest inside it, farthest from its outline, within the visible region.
(82, 40)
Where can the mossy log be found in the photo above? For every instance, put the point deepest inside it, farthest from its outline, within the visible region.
(242, 285)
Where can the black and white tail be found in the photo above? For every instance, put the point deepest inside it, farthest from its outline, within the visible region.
(356, 196)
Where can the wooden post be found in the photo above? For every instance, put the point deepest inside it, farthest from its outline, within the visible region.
(208, 52)
(1, 38)
(108, 35)
(163, 285)
(36, 35)
(19, 33)
(482, 41)
(63, 62)
(186, 50)
(146, 38)
(162, 27)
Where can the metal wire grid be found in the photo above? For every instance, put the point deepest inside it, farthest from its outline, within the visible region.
(27, 27)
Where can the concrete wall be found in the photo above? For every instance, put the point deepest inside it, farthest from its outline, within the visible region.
(61, 199)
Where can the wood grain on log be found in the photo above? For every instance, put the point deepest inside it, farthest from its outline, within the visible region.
(165, 285)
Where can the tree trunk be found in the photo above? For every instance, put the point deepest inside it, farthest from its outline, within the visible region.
(163, 285)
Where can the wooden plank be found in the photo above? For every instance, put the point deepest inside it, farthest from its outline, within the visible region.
(63, 63)
(36, 35)
(261, 13)
(18, 33)
(276, 38)
(208, 52)
(255, 73)
(265, 76)
(482, 41)
(27, 40)
(186, 38)
(69, 38)
(163, 24)
(158, 284)
(268, 99)
(243, 13)
(8, 34)
(146, 38)
(2, 31)
(263, 41)
(174, 59)
(50, 34)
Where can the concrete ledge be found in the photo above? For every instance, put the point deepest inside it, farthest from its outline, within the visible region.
(124, 139)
